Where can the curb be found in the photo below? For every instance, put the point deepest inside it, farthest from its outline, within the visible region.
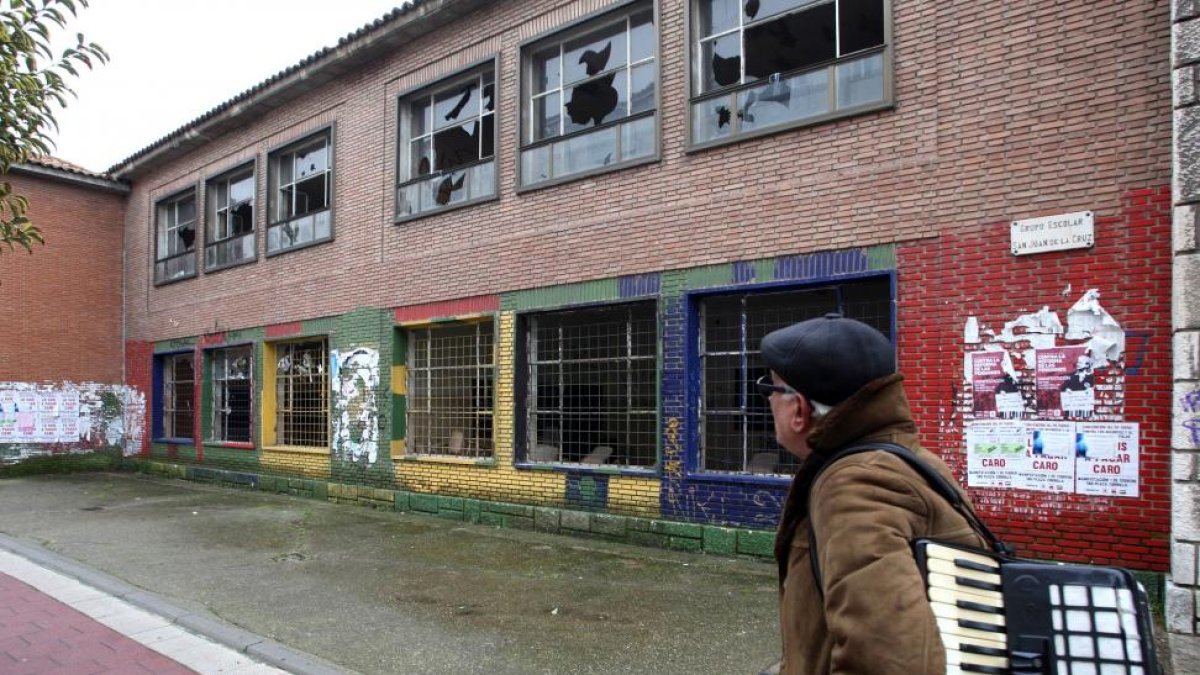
(201, 623)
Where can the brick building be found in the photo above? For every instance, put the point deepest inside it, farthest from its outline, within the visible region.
(510, 262)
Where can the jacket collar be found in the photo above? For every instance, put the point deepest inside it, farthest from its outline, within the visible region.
(878, 411)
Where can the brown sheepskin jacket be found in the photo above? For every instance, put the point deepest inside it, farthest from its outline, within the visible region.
(866, 509)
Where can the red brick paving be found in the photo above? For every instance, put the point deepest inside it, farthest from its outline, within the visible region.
(41, 636)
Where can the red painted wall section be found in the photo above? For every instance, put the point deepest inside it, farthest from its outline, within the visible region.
(451, 308)
(284, 329)
(972, 272)
(139, 373)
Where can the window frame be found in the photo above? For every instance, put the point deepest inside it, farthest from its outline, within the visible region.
(269, 404)
(329, 131)
(164, 386)
(412, 388)
(566, 33)
(210, 403)
(695, 389)
(403, 139)
(525, 377)
(695, 96)
(173, 200)
(210, 213)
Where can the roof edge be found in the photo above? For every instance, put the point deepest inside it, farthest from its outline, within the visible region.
(83, 180)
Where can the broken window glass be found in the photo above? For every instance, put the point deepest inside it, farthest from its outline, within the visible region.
(461, 103)
(792, 41)
(721, 60)
(595, 53)
(712, 119)
(456, 146)
(861, 25)
(761, 9)
(784, 100)
(597, 100)
(717, 16)
(311, 161)
(310, 195)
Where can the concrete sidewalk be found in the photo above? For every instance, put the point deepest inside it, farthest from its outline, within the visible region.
(383, 592)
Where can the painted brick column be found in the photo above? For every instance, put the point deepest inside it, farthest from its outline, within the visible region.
(1183, 585)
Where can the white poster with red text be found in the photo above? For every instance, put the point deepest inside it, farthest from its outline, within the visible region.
(1106, 459)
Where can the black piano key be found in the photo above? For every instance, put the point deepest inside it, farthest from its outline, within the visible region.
(978, 607)
(978, 567)
(969, 648)
(976, 668)
(975, 583)
(979, 625)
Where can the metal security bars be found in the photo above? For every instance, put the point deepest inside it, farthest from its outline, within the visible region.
(231, 394)
(302, 394)
(450, 383)
(592, 386)
(737, 433)
(179, 396)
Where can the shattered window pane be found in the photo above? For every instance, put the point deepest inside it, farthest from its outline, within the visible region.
(312, 161)
(311, 195)
(712, 119)
(456, 146)
(231, 214)
(784, 100)
(861, 24)
(593, 54)
(860, 82)
(721, 61)
(242, 189)
(597, 100)
(422, 157)
(489, 96)
(761, 9)
(792, 41)
(717, 16)
(453, 106)
(487, 146)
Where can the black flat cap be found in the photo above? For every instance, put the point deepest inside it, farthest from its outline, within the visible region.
(830, 358)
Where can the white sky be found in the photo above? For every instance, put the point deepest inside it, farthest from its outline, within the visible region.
(174, 60)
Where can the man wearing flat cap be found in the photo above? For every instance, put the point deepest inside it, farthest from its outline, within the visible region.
(832, 384)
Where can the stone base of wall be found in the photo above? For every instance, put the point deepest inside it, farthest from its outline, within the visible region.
(610, 527)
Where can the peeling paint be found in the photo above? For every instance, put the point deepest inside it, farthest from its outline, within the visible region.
(74, 417)
(1043, 323)
(971, 331)
(1087, 319)
(355, 378)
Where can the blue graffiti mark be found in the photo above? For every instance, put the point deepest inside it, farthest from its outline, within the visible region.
(1191, 401)
(639, 285)
(1138, 341)
(587, 491)
(822, 265)
(744, 272)
(1193, 425)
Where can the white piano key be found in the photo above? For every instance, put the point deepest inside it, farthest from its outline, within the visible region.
(961, 643)
(1103, 596)
(1113, 669)
(947, 582)
(1081, 646)
(1060, 646)
(1057, 619)
(1055, 596)
(976, 595)
(950, 554)
(1079, 621)
(949, 568)
(1136, 670)
(1125, 600)
(1075, 596)
(951, 627)
(947, 611)
(1134, 649)
(1111, 648)
(1129, 624)
(1083, 668)
(1064, 668)
(1108, 622)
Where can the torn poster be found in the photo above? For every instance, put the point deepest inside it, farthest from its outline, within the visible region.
(1065, 383)
(355, 380)
(1088, 320)
(1106, 459)
(996, 449)
(1050, 463)
(995, 389)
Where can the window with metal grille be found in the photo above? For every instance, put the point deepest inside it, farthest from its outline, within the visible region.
(301, 179)
(773, 64)
(450, 382)
(447, 144)
(737, 433)
(175, 245)
(231, 394)
(179, 396)
(592, 386)
(302, 393)
(591, 97)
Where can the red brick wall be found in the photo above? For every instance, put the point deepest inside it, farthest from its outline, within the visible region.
(139, 373)
(60, 317)
(971, 272)
(995, 103)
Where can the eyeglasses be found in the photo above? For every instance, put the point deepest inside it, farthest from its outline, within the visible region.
(766, 387)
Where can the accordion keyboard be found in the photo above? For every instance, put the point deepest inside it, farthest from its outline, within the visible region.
(1003, 616)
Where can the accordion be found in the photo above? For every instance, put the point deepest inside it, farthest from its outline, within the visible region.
(1002, 615)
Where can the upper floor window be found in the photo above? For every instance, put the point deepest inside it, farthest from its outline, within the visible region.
(447, 145)
(592, 387)
(767, 64)
(590, 97)
(175, 248)
(450, 382)
(736, 431)
(231, 394)
(301, 193)
(230, 236)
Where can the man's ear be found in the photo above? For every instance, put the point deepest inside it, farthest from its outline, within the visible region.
(801, 418)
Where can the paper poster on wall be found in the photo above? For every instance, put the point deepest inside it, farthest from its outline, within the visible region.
(996, 452)
(1065, 383)
(1051, 457)
(8, 428)
(68, 403)
(27, 401)
(26, 427)
(8, 404)
(47, 429)
(1106, 459)
(68, 429)
(48, 403)
(995, 392)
